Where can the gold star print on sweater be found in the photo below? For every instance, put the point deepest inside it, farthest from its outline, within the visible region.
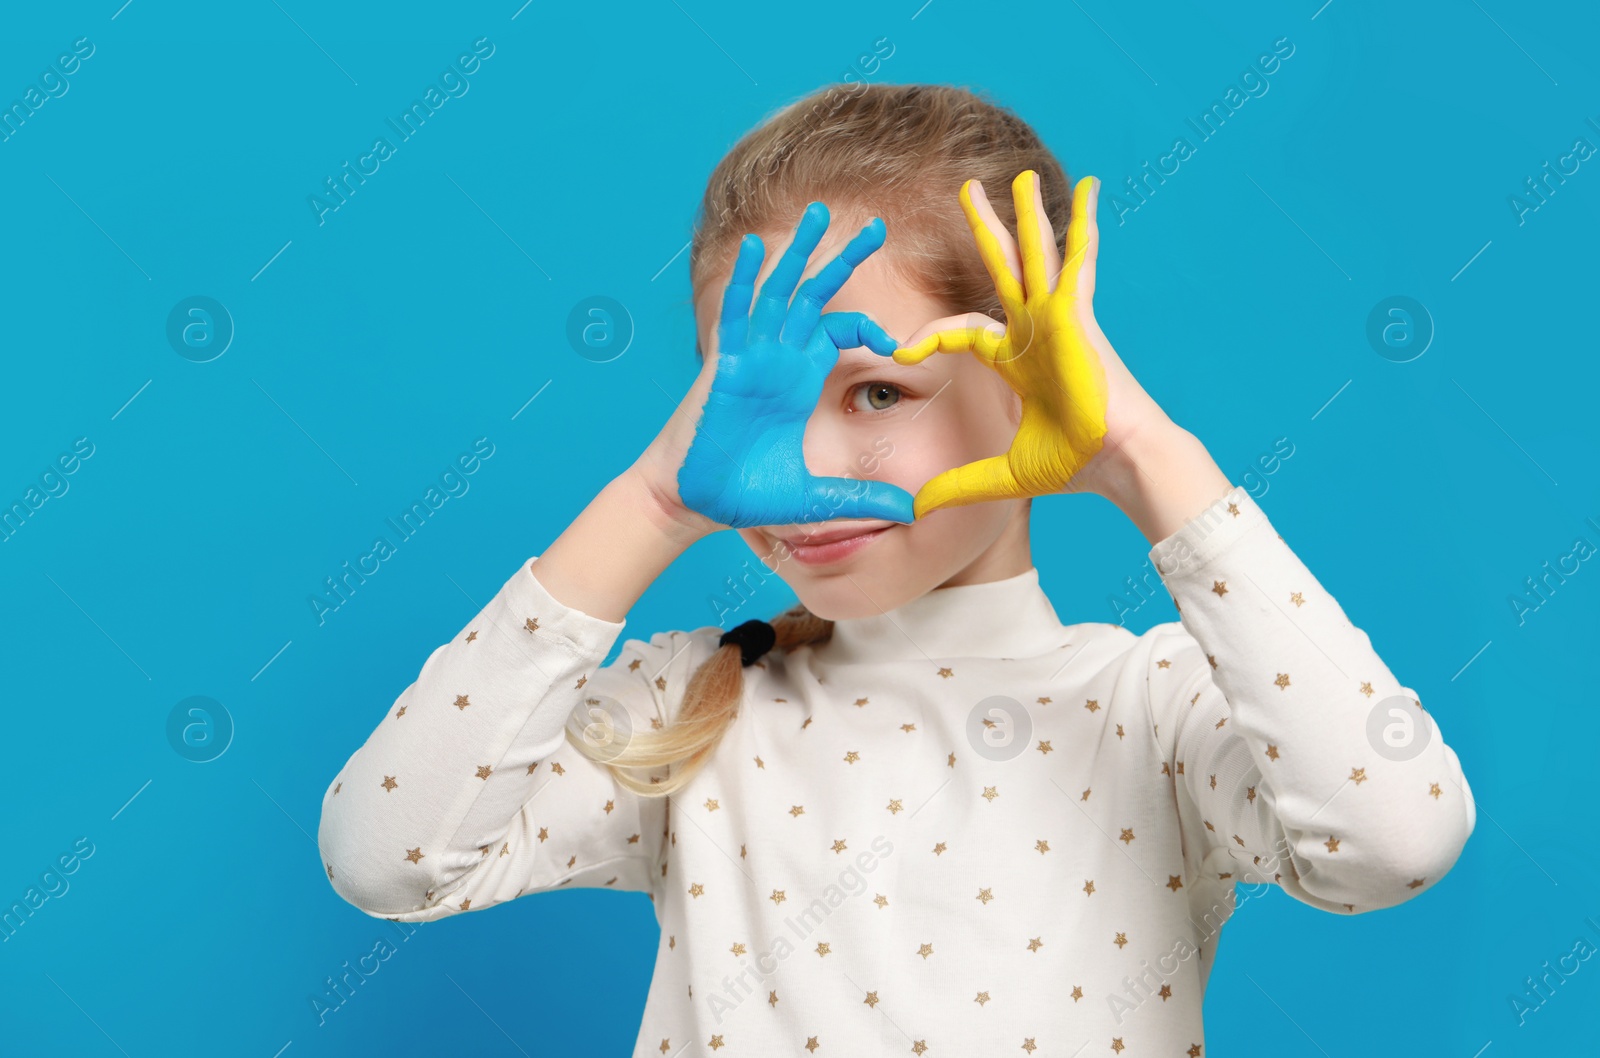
(902, 819)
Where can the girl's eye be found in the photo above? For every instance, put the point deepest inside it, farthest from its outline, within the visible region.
(881, 396)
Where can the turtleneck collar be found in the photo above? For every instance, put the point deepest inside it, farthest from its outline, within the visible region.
(1009, 618)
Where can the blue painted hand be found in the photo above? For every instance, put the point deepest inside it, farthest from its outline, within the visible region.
(745, 466)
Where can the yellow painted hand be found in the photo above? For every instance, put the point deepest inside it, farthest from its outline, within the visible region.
(1047, 352)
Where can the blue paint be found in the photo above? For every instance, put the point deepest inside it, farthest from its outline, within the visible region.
(746, 466)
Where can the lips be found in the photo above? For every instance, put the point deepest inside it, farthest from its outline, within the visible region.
(830, 536)
(834, 545)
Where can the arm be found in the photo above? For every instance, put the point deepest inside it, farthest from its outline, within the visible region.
(1288, 684)
(1281, 720)
(445, 807)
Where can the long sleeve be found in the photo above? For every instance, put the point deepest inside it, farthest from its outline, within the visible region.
(468, 794)
(1292, 745)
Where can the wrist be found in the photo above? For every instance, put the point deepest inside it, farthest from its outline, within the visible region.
(612, 552)
(679, 526)
(1167, 478)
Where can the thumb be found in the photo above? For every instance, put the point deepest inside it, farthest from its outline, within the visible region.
(860, 498)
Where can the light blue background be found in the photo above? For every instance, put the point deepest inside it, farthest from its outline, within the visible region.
(374, 348)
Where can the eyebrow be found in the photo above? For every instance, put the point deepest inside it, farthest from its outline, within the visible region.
(871, 363)
(852, 363)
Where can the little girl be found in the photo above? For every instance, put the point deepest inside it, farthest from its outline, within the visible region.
(916, 813)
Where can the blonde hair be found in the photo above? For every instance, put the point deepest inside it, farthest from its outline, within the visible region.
(901, 152)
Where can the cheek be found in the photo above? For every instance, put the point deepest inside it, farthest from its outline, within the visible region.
(770, 553)
(959, 427)
(918, 460)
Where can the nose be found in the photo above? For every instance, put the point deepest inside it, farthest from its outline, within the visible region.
(839, 445)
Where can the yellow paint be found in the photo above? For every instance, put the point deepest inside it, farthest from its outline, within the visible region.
(1045, 356)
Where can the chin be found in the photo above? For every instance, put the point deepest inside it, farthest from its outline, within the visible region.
(869, 589)
(831, 604)
(879, 577)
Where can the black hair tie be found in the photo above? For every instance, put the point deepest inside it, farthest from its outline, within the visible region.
(755, 638)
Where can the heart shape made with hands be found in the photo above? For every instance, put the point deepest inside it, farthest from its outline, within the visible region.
(745, 466)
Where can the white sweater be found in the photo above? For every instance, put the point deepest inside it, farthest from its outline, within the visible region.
(883, 855)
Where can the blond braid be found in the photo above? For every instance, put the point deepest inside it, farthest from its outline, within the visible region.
(710, 704)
